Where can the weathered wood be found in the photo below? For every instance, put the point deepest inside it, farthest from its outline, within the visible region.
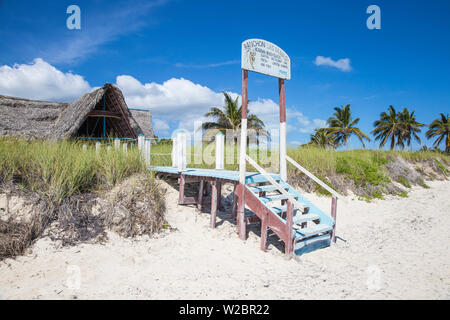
(219, 194)
(282, 101)
(242, 163)
(213, 204)
(234, 203)
(242, 228)
(289, 244)
(264, 233)
(333, 215)
(200, 195)
(181, 187)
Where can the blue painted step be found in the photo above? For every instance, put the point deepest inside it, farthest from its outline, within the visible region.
(275, 197)
(268, 188)
(300, 218)
(308, 232)
(281, 209)
(257, 178)
(308, 245)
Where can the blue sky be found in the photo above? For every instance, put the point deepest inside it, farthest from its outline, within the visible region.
(176, 57)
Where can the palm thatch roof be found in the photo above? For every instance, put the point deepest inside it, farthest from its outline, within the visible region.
(102, 112)
(143, 121)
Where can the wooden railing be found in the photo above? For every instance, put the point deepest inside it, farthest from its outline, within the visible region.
(334, 194)
(276, 184)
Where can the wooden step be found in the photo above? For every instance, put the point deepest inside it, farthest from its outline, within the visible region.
(276, 197)
(281, 209)
(258, 178)
(311, 231)
(300, 218)
(267, 188)
(311, 244)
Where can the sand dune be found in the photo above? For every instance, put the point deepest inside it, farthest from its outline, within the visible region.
(387, 249)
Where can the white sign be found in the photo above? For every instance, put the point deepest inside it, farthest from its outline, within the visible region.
(264, 57)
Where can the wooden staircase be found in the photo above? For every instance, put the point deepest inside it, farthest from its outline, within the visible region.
(302, 230)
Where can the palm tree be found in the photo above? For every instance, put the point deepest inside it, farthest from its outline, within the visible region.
(409, 128)
(440, 128)
(321, 138)
(341, 126)
(387, 128)
(230, 118)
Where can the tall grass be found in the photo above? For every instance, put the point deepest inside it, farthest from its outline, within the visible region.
(61, 169)
(323, 162)
(58, 170)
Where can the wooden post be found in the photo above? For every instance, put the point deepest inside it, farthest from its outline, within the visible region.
(182, 181)
(174, 152)
(213, 204)
(220, 154)
(181, 151)
(234, 204)
(97, 147)
(84, 147)
(333, 215)
(282, 100)
(141, 139)
(147, 149)
(116, 143)
(289, 222)
(264, 232)
(243, 152)
(200, 195)
(125, 147)
(219, 195)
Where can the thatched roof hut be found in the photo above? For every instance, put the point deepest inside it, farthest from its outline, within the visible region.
(143, 121)
(100, 113)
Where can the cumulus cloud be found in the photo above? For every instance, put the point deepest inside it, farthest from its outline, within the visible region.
(161, 126)
(174, 98)
(40, 80)
(341, 64)
(305, 124)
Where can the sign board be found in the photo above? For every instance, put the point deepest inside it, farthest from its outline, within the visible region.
(264, 57)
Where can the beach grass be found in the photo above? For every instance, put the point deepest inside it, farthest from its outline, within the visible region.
(58, 170)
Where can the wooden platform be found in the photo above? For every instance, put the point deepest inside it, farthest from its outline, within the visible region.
(302, 230)
(225, 175)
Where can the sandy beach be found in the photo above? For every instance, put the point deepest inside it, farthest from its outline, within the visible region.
(396, 248)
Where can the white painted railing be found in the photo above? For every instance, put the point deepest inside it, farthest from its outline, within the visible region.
(276, 184)
(315, 179)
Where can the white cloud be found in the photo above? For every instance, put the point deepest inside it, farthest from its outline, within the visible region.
(40, 80)
(341, 64)
(174, 99)
(161, 126)
(305, 124)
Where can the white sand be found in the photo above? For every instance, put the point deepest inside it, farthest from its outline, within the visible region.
(394, 249)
